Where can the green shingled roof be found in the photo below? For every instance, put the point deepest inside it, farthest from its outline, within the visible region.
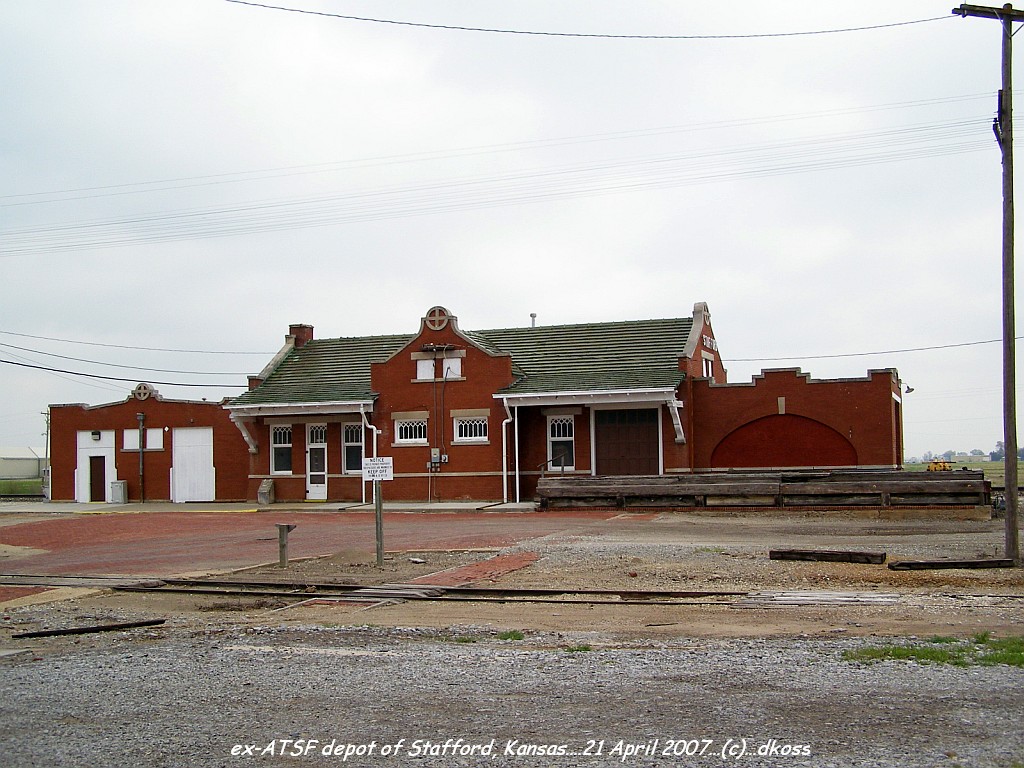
(324, 371)
(641, 354)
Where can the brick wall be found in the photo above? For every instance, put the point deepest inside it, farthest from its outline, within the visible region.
(229, 449)
(784, 418)
(473, 470)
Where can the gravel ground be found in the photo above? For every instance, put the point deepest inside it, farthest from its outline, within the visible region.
(176, 697)
(235, 683)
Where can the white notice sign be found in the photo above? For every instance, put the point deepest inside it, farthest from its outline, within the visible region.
(378, 468)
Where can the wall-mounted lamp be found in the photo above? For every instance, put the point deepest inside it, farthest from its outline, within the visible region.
(95, 434)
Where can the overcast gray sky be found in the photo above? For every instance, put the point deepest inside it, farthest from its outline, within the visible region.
(198, 174)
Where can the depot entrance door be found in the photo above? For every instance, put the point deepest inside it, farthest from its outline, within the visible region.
(316, 462)
(626, 442)
(97, 478)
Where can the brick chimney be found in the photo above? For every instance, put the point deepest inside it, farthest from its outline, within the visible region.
(301, 333)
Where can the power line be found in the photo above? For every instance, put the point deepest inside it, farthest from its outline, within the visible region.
(123, 346)
(459, 28)
(732, 360)
(93, 384)
(827, 152)
(122, 365)
(863, 354)
(261, 174)
(119, 378)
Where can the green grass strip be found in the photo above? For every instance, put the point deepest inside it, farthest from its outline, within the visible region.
(982, 649)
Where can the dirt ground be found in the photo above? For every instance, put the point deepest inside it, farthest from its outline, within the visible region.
(652, 552)
(228, 671)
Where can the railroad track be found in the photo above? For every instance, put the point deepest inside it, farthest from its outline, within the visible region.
(377, 593)
(370, 593)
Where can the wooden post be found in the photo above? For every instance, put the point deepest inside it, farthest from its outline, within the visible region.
(282, 544)
(1009, 326)
(1004, 135)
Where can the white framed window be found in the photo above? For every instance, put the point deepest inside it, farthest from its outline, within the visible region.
(425, 369)
(318, 434)
(561, 442)
(411, 431)
(432, 367)
(281, 450)
(154, 439)
(451, 368)
(709, 367)
(471, 429)
(352, 449)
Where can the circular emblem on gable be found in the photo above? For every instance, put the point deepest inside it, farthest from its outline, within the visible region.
(437, 318)
(143, 391)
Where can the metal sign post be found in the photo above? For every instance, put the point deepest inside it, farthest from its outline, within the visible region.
(378, 513)
(378, 468)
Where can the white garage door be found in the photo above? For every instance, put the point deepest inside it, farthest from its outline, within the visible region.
(192, 473)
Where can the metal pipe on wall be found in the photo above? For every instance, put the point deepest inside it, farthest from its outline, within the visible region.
(142, 447)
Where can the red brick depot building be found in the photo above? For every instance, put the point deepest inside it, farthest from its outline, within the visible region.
(474, 415)
(480, 415)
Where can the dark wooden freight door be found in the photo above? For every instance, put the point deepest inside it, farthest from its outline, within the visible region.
(97, 478)
(626, 442)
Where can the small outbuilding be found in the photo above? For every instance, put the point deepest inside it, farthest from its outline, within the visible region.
(146, 447)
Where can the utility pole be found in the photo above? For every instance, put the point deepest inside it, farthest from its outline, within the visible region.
(1004, 135)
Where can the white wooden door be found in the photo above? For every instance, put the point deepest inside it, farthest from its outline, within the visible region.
(193, 477)
(316, 462)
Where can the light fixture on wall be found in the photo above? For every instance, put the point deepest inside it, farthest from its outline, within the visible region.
(95, 434)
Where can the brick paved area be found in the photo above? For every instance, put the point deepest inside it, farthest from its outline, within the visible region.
(487, 570)
(168, 543)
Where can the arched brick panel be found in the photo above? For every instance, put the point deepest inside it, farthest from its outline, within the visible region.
(784, 440)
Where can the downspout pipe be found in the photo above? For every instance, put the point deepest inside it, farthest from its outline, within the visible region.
(375, 431)
(518, 482)
(142, 447)
(504, 451)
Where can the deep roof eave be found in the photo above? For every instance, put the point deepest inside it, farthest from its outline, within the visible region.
(310, 408)
(592, 396)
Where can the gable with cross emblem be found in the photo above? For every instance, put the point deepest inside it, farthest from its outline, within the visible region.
(437, 318)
